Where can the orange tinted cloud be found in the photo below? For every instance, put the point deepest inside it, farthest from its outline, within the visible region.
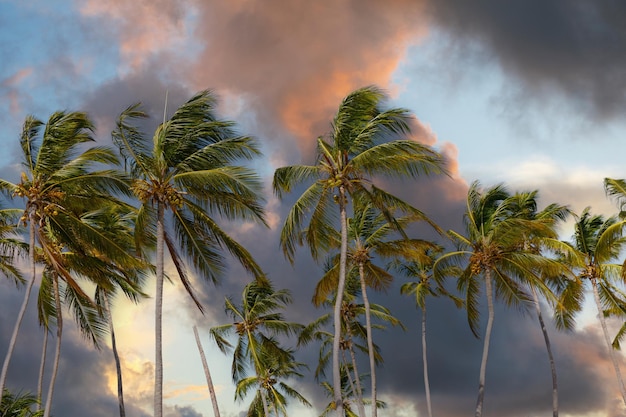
(297, 59)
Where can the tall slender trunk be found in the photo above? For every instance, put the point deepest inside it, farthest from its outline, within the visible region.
(57, 352)
(20, 314)
(370, 341)
(607, 339)
(425, 362)
(355, 370)
(555, 387)
(343, 256)
(42, 367)
(349, 376)
(207, 373)
(158, 314)
(116, 356)
(483, 364)
(266, 411)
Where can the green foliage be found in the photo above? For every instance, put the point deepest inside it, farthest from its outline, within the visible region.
(19, 405)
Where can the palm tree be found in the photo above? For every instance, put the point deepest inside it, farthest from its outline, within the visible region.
(70, 263)
(58, 183)
(370, 233)
(277, 364)
(187, 171)
(492, 249)
(357, 149)
(352, 333)
(257, 322)
(420, 268)
(599, 241)
(552, 214)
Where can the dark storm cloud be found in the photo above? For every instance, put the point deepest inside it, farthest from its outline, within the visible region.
(572, 48)
(518, 381)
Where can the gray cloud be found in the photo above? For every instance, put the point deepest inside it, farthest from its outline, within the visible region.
(569, 48)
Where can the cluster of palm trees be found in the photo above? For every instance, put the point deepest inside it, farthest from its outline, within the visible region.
(94, 225)
(100, 220)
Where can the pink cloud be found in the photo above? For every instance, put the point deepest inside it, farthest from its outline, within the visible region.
(144, 28)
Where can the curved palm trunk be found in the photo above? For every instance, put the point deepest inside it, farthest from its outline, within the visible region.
(370, 341)
(57, 353)
(555, 390)
(425, 362)
(483, 364)
(20, 314)
(116, 356)
(158, 314)
(207, 373)
(42, 367)
(607, 339)
(337, 394)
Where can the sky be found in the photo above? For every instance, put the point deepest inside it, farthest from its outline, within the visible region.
(530, 94)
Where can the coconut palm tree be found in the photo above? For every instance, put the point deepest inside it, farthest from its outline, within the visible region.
(187, 171)
(599, 242)
(58, 182)
(65, 265)
(552, 215)
(353, 335)
(277, 365)
(492, 250)
(359, 148)
(371, 236)
(426, 285)
(257, 321)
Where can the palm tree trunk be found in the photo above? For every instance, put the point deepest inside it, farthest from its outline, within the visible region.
(357, 380)
(42, 367)
(607, 339)
(483, 364)
(57, 353)
(425, 362)
(207, 373)
(158, 314)
(266, 411)
(555, 390)
(116, 356)
(370, 341)
(343, 256)
(20, 314)
(351, 377)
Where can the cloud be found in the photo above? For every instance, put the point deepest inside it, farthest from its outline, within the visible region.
(281, 69)
(294, 62)
(571, 49)
(144, 29)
